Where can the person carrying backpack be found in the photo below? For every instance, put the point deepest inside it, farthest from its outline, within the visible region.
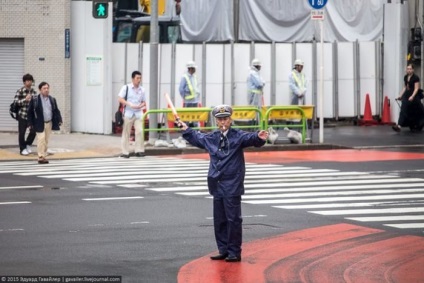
(22, 98)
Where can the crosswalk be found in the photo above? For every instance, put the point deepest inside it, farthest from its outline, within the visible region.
(389, 200)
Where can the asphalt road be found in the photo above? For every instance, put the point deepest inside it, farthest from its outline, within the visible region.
(60, 219)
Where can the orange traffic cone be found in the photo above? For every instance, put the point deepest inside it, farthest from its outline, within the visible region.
(367, 120)
(385, 119)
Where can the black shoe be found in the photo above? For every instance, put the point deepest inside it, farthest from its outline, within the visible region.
(140, 154)
(233, 258)
(124, 156)
(42, 161)
(219, 257)
(396, 128)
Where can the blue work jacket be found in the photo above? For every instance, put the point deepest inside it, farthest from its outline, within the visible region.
(227, 165)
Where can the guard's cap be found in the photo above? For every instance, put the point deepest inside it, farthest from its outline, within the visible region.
(222, 111)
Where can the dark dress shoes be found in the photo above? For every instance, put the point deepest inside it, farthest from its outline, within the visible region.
(233, 259)
(219, 257)
(140, 154)
(396, 128)
(124, 156)
(42, 161)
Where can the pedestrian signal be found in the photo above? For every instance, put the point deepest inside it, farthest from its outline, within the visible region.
(100, 9)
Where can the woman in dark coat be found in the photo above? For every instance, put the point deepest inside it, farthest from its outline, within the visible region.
(412, 110)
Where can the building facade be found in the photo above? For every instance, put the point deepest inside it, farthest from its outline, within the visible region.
(34, 38)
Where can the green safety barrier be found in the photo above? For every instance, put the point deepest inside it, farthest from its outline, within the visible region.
(290, 112)
(249, 113)
(186, 114)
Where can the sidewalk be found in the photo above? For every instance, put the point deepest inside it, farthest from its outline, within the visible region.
(78, 145)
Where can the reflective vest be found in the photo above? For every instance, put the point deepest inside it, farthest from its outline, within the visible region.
(256, 91)
(300, 84)
(190, 87)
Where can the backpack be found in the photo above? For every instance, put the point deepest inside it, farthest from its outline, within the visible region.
(14, 107)
(13, 110)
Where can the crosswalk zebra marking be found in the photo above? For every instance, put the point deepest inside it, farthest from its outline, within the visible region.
(406, 225)
(21, 187)
(14, 202)
(331, 199)
(368, 197)
(387, 218)
(113, 198)
(370, 211)
(343, 205)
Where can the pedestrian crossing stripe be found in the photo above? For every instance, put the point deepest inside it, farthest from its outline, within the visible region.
(364, 197)
(387, 218)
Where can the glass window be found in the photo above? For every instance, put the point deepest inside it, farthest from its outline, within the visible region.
(174, 34)
(124, 32)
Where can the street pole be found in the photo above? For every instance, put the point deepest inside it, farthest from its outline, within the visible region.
(321, 86)
(154, 47)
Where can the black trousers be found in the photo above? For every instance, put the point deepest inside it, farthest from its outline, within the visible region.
(22, 127)
(227, 222)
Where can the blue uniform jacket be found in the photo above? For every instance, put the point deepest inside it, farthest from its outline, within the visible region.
(226, 167)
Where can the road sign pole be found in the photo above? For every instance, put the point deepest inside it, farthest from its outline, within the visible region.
(321, 86)
(318, 14)
(154, 70)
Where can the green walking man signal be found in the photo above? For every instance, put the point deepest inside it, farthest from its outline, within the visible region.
(100, 9)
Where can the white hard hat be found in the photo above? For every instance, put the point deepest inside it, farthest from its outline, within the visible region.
(256, 62)
(298, 62)
(191, 64)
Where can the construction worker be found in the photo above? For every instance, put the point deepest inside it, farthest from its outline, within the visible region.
(297, 84)
(255, 84)
(189, 89)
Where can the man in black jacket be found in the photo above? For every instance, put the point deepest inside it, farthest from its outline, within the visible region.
(44, 116)
(22, 98)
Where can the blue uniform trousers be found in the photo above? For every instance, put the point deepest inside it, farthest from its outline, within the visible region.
(228, 224)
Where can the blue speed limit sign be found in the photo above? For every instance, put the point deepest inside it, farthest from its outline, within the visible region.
(317, 4)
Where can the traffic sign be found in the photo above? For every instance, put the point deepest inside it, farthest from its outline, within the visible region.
(317, 4)
(317, 14)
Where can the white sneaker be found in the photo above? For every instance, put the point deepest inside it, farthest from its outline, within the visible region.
(28, 148)
(24, 152)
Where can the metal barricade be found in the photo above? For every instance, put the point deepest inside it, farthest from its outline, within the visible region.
(287, 113)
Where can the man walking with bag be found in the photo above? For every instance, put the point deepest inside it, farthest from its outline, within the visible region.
(22, 98)
(133, 97)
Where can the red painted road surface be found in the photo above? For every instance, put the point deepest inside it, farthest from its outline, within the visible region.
(335, 253)
(340, 155)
